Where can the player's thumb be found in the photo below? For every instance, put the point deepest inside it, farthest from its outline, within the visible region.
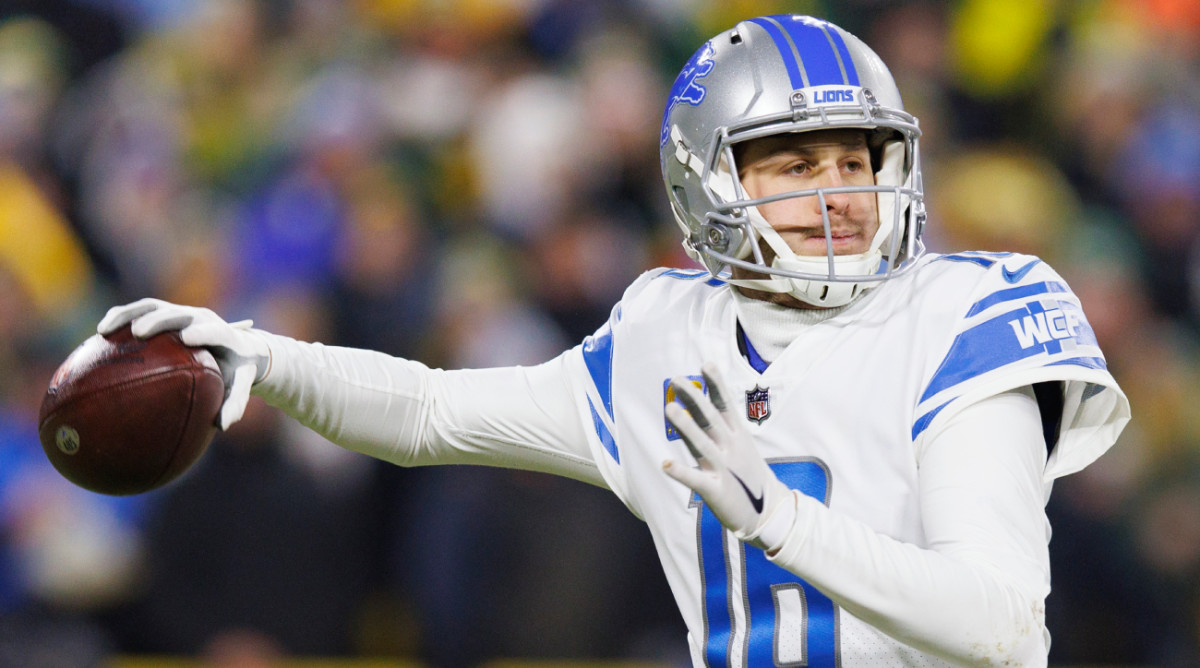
(239, 395)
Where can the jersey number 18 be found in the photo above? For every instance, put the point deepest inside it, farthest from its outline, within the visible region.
(780, 620)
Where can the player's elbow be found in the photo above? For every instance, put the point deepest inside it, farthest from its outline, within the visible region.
(1018, 638)
(997, 622)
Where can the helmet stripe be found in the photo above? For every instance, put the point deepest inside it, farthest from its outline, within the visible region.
(818, 55)
(812, 51)
(785, 50)
(844, 58)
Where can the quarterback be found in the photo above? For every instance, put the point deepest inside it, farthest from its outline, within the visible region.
(841, 444)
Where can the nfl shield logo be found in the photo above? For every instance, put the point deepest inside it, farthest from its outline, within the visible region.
(758, 404)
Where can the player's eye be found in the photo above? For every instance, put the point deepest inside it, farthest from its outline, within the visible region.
(798, 168)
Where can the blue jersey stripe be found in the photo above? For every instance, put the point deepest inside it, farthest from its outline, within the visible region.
(1035, 328)
(785, 50)
(692, 275)
(685, 274)
(604, 434)
(1010, 294)
(973, 259)
(1089, 362)
(980, 349)
(598, 356)
(756, 361)
(922, 422)
(818, 56)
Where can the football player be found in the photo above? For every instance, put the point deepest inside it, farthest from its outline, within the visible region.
(841, 444)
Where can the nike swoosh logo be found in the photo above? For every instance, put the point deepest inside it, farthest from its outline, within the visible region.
(1016, 276)
(756, 501)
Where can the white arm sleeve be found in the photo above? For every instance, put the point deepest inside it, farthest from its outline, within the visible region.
(975, 594)
(405, 413)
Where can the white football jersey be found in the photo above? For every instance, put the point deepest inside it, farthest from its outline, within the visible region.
(839, 415)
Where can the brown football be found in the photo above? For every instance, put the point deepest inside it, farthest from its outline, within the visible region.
(124, 416)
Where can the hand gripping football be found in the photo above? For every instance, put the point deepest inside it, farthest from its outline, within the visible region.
(124, 416)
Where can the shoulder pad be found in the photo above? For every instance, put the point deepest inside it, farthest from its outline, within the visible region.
(1021, 321)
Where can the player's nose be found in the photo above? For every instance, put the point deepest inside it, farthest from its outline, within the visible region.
(830, 201)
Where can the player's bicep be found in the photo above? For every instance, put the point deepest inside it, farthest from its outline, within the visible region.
(982, 497)
(514, 417)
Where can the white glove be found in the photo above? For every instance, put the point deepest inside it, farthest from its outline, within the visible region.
(242, 355)
(733, 479)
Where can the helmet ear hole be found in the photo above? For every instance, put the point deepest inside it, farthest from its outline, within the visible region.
(876, 141)
(681, 196)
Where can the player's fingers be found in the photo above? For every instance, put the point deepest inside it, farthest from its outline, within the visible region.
(206, 334)
(698, 442)
(716, 386)
(164, 319)
(714, 422)
(696, 454)
(119, 316)
(699, 481)
(718, 392)
(695, 402)
(689, 402)
(239, 395)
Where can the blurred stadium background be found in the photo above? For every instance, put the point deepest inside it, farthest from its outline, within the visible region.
(472, 183)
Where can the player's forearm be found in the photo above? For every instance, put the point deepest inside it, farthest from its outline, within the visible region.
(362, 400)
(405, 413)
(963, 612)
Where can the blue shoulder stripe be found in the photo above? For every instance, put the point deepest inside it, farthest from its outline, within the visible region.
(985, 260)
(1032, 329)
(1011, 294)
(922, 422)
(1089, 362)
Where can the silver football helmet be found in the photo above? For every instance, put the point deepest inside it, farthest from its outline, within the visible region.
(780, 74)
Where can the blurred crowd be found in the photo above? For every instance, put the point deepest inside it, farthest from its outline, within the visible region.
(473, 183)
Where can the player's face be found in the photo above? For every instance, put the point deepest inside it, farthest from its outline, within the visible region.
(802, 161)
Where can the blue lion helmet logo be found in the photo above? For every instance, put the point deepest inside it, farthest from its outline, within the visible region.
(686, 89)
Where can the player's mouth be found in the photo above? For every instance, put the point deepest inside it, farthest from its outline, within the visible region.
(812, 241)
